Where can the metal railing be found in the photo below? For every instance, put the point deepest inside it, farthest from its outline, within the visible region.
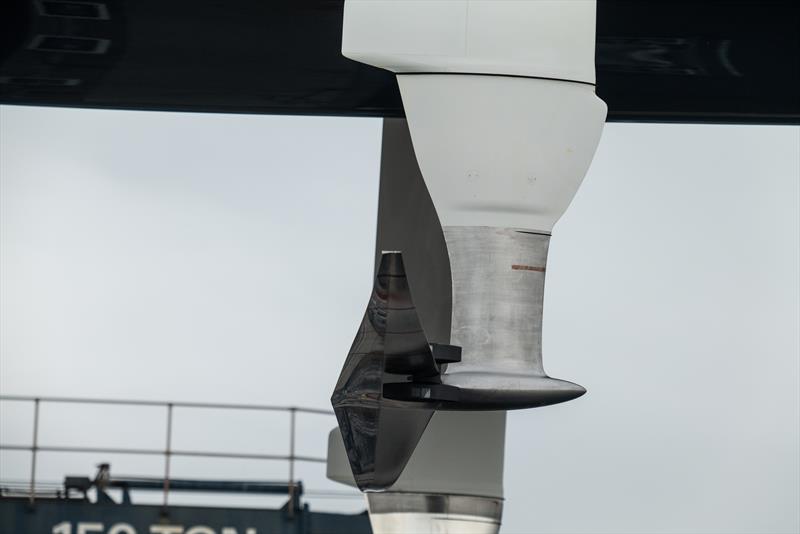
(168, 452)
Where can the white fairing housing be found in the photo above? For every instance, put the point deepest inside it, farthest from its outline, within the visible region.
(499, 98)
(539, 38)
(502, 151)
(444, 461)
(453, 482)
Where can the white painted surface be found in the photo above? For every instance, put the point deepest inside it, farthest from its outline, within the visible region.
(460, 453)
(498, 151)
(494, 150)
(543, 38)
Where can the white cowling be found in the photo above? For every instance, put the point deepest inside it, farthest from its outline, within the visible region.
(501, 151)
(499, 97)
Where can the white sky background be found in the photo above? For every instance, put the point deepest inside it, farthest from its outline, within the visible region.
(228, 258)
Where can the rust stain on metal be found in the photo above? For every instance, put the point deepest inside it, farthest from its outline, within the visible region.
(517, 267)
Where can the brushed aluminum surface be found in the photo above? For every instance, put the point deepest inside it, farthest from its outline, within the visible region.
(498, 277)
(432, 503)
(401, 513)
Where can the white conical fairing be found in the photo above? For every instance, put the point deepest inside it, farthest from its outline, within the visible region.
(501, 151)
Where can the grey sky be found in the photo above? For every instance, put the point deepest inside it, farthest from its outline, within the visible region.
(229, 258)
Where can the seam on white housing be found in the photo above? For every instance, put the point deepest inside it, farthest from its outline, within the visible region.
(545, 38)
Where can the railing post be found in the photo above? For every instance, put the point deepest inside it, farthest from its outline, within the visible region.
(34, 450)
(292, 492)
(167, 457)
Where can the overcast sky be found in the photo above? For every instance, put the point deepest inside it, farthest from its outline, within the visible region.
(228, 258)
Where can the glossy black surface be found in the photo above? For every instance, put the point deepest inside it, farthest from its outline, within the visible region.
(380, 434)
(721, 61)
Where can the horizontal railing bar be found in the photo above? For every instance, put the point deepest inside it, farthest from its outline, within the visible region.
(334, 494)
(57, 448)
(22, 484)
(183, 484)
(176, 404)
(204, 454)
(248, 456)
